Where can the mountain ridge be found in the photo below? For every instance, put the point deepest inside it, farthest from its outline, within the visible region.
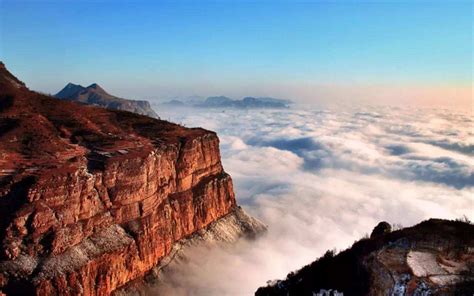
(94, 94)
(226, 102)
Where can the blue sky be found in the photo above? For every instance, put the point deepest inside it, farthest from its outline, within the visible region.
(160, 49)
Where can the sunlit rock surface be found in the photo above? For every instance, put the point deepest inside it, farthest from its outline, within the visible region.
(91, 199)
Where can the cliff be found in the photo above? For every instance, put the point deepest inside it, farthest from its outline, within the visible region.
(91, 199)
(96, 95)
(435, 257)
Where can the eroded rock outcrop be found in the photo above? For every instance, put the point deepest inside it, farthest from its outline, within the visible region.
(91, 199)
(435, 257)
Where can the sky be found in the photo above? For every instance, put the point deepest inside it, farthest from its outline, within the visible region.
(330, 51)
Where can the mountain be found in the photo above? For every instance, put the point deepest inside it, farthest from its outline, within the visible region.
(96, 95)
(251, 102)
(220, 101)
(174, 103)
(194, 99)
(245, 103)
(435, 257)
(226, 102)
(69, 91)
(274, 100)
(93, 199)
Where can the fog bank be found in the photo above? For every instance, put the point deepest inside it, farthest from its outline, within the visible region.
(321, 179)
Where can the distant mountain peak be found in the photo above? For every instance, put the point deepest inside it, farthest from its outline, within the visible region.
(73, 87)
(247, 102)
(97, 87)
(69, 90)
(94, 94)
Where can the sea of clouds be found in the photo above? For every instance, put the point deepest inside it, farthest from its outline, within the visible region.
(321, 179)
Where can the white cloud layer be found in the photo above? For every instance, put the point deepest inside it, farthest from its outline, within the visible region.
(321, 179)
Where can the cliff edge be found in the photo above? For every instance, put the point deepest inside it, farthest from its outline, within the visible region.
(91, 199)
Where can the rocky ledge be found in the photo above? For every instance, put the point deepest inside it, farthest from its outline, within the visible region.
(435, 257)
(92, 199)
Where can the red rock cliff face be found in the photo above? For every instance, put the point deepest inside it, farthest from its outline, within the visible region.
(91, 199)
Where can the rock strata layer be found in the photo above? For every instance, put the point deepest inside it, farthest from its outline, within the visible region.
(91, 199)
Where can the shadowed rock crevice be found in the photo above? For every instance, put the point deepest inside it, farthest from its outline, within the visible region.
(10, 203)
